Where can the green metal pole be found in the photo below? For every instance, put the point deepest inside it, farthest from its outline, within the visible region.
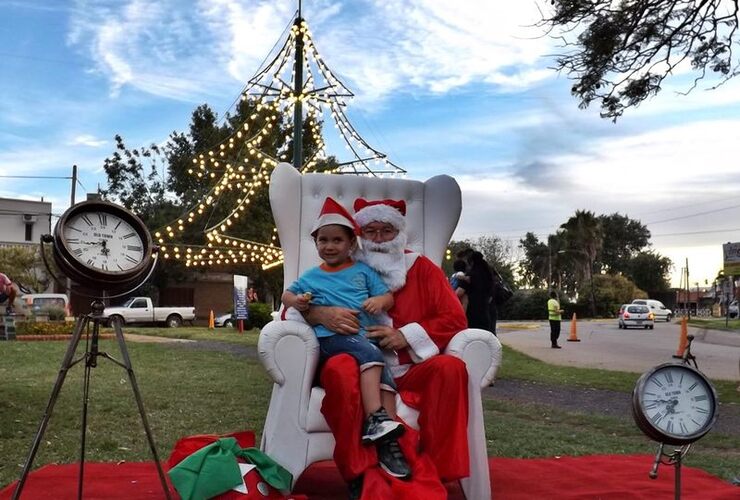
(298, 91)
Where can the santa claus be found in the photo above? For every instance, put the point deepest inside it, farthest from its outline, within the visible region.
(425, 317)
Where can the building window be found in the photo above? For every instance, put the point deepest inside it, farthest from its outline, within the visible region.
(29, 232)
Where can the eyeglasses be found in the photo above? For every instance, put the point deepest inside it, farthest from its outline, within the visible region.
(385, 231)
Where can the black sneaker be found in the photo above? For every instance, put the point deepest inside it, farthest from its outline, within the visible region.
(355, 488)
(379, 427)
(391, 459)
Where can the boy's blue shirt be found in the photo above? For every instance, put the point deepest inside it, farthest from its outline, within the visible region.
(348, 287)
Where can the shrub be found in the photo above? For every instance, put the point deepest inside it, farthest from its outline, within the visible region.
(54, 313)
(44, 328)
(525, 304)
(259, 314)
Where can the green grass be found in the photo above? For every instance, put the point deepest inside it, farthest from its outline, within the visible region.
(517, 365)
(189, 392)
(231, 335)
(184, 391)
(733, 325)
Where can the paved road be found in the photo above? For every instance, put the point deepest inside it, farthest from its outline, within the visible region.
(605, 346)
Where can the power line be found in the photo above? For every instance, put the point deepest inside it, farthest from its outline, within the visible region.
(692, 215)
(697, 232)
(33, 177)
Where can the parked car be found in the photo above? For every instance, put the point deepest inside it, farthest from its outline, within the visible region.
(225, 320)
(37, 303)
(656, 307)
(638, 316)
(141, 310)
(621, 310)
(733, 310)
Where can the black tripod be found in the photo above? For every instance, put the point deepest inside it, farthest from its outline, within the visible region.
(90, 357)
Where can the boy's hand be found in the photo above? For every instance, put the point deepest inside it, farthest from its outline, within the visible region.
(373, 305)
(303, 301)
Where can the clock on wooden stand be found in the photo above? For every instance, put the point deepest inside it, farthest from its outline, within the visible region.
(107, 249)
(674, 404)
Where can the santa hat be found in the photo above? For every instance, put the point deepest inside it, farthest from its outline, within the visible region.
(389, 211)
(334, 213)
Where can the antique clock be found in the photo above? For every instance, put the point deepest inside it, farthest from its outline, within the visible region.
(102, 245)
(674, 404)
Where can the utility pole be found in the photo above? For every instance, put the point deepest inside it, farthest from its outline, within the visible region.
(71, 203)
(298, 93)
(688, 291)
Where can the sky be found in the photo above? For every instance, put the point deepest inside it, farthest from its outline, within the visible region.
(465, 89)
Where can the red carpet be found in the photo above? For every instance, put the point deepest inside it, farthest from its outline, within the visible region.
(592, 477)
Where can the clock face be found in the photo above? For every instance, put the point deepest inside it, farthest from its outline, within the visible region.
(677, 402)
(103, 241)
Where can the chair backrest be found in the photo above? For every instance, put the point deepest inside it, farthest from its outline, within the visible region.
(432, 210)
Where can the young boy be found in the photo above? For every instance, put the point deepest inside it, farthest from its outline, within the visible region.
(339, 281)
(459, 266)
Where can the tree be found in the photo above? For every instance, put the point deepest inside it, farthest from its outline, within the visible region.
(611, 291)
(496, 252)
(621, 52)
(649, 271)
(535, 266)
(583, 235)
(24, 266)
(622, 239)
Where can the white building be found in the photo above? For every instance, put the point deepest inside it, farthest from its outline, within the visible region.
(22, 222)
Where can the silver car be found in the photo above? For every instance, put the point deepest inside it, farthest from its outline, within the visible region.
(226, 320)
(638, 316)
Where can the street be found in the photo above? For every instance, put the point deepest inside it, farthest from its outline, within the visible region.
(603, 345)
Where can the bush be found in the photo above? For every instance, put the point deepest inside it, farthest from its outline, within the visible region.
(54, 313)
(44, 328)
(610, 292)
(525, 304)
(259, 314)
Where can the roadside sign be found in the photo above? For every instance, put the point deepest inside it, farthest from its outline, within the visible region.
(241, 305)
(731, 258)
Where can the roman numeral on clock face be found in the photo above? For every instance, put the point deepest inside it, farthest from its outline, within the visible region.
(103, 218)
(129, 235)
(131, 259)
(87, 220)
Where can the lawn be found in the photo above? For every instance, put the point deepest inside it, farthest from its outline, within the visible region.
(188, 391)
(248, 337)
(716, 324)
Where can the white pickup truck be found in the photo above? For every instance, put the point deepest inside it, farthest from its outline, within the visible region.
(141, 310)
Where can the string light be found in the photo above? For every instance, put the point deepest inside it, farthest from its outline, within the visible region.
(240, 164)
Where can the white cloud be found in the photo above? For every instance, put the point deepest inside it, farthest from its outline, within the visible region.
(183, 50)
(87, 140)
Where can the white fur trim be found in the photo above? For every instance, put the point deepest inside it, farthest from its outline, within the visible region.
(327, 219)
(293, 314)
(410, 258)
(381, 213)
(420, 344)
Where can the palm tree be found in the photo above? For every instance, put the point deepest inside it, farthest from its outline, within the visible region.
(584, 236)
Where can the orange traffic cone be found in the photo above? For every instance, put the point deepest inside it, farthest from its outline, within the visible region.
(573, 333)
(683, 339)
(211, 321)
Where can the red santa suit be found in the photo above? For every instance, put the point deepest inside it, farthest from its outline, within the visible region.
(428, 314)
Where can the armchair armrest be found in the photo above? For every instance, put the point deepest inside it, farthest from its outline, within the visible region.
(288, 349)
(481, 351)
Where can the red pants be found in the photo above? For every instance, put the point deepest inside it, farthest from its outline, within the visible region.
(437, 388)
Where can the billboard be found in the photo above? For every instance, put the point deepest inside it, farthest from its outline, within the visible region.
(731, 259)
(241, 305)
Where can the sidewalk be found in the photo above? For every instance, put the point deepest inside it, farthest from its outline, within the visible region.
(605, 346)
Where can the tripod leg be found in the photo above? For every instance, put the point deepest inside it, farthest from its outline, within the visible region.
(66, 364)
(89, 365)
(140, 404)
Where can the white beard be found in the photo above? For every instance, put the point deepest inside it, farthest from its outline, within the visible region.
(387, 259)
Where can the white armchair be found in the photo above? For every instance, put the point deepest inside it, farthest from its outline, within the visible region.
(295, 432)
